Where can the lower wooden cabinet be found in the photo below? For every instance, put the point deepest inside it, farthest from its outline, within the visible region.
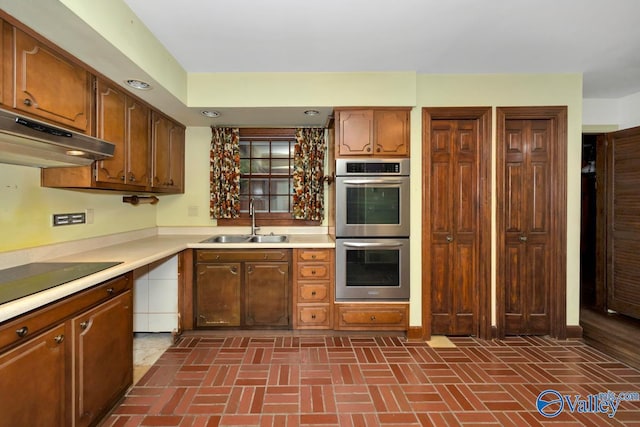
(313, 288)
(103, 352)
(68, 363)
(242, 288)
(372, 316)
(32, 382)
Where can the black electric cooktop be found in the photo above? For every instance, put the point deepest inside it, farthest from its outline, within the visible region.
(28, 279)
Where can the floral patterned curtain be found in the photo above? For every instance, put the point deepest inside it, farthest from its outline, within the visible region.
(224, 173)
(308, 185)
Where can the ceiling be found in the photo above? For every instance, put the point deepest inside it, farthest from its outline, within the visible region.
(598, 38)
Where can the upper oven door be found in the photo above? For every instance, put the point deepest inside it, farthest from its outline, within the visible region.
(372, 206)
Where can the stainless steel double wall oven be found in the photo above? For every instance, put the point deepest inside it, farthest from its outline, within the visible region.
(372, 229)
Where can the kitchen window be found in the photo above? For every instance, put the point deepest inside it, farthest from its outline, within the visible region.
(266, 175)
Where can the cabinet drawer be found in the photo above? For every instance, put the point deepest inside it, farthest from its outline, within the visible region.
(372, 317)
(309, 316)
(241, 255)
(24, 327)
(314, 271)
(313, 292)
(314, 255)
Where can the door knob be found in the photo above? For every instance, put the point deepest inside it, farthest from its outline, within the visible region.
(449, 239)
(523, 238)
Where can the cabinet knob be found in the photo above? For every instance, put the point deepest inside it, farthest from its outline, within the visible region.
(313, 293)
(523, 238)
(234, 270)
(83, 325)
(378, 149)
(27, 102)
(250, 269)
(121, 177)
(313, 316)
(22, 332)
(313, 256)
(373, 318)
(132, 177)
(110, 291)
(58, 339)
(449, 239)
(313, 272)
(368, 149)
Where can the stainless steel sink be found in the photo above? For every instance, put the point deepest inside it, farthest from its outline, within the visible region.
(237, 238)
(278, 238)
(228, 238)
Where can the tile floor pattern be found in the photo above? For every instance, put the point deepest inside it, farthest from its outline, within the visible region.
(370, 381)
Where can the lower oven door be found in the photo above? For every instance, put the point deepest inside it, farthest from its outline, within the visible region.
(372, 269)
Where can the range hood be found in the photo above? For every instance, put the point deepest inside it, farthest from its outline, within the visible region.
(28, 142)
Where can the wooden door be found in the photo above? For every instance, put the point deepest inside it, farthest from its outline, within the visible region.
(103, 348)
(32, 382)
(138, 153)
(622, 196)
(266, 294)
(49, 85)
(218, 294)
(527, 214)
(531, 220)
(454, 225)
(456, 221)
(110, 123)
(391, 133)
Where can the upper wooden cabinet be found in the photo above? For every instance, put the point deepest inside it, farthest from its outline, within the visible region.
(167, 155)
(379, 132)
(46, 83)
(123, 121)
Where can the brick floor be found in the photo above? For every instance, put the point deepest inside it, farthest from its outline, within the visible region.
(359, 381)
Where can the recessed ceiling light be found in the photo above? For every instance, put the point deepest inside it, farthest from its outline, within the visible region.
(312, 112)
(210, 113)
(138, 84)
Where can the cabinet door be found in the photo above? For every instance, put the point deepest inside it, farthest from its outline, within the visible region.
(218, 294)
(32, 382)
(103, 349)
(391, 137)
(50, 86)
(110, 121)
(355, 133)
(138, 153)
(267, 294)
(168, 155)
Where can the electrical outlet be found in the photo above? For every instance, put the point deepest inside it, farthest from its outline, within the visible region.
(69, 219)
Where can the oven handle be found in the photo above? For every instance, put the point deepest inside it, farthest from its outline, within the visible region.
(372, 245)
(371, 181)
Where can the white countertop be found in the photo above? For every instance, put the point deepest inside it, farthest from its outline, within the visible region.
(137, 253)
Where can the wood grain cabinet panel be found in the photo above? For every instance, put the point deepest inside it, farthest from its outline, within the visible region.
(32, 382)
(313, 288)
(372, 316)
(71, 360)
(373, 132)
(167, 155)
(266, 295)
(35, 66)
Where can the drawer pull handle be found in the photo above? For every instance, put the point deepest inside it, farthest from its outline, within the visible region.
(313, 256)
(22, 332)
(373, 318)
(313, 272)
(58, 339)
(313, 316)
(313, 293)
(83, 325)
(110, 291)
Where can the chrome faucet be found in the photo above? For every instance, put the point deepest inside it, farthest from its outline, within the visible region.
(252, 214)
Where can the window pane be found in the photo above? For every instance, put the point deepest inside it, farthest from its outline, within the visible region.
(259, 187)
(280, 149)
(259, 166)
(280, 186)
(260, 149)
(260, 204)
(280, 167)
(244, 203)
(244, 149)
(279, 203)
(244, 186)
(244, 166)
